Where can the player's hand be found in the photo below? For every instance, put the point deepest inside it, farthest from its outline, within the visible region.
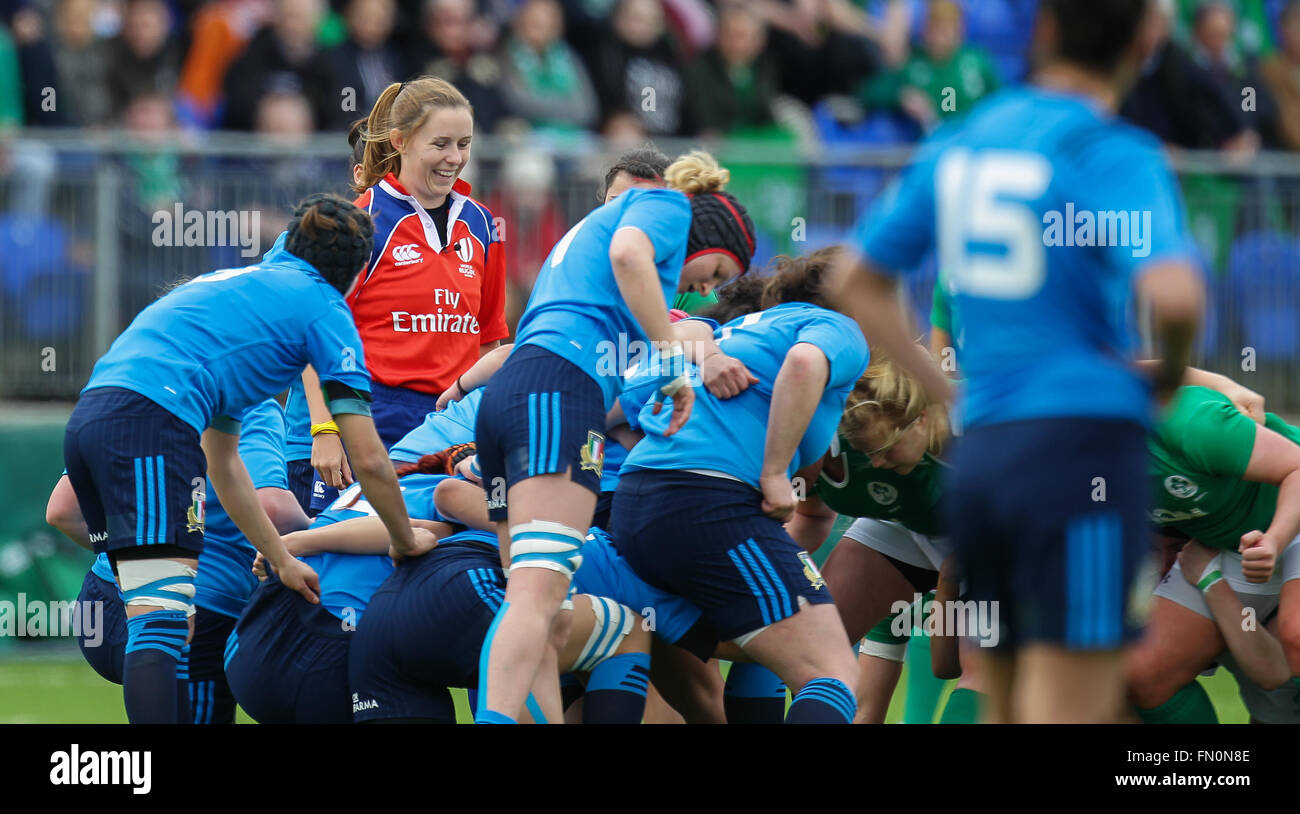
(329, 459)
(422, 542)
(1193, 559)
(449, 395)
(778, 496)
(1247, 401)
(299, 576)
(468, 469)
(683, 402)
(1258, 556)
(725, 376)
(259, 567)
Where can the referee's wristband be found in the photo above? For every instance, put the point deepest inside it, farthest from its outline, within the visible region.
(325, 428)
(1210, 575)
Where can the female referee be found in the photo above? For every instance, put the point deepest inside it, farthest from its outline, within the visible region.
(541, 425)
(432, 298)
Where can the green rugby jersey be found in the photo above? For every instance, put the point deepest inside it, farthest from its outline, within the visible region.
(1198, 455)
(912, 500)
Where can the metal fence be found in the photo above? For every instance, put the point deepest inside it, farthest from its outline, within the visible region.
(93, 228)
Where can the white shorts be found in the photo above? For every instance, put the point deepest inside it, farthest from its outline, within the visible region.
(1280, 706)
(1262, 596)
(893, 540)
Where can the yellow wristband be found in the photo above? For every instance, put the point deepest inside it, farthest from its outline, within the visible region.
(326, 427)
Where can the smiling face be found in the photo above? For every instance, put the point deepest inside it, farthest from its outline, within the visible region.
(434, 156)
(706, 272)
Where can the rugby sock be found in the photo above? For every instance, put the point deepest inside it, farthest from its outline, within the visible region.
(184, 703)
(963, 707)
(823, 701)
(471, 695)
(154, 642)
(923, 689)
(487, 716)
(616, 690)
(754, 695)
(1190, 705)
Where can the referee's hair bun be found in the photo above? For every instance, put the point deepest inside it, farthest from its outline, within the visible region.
(333, 235)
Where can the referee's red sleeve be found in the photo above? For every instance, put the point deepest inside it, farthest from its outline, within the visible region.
(492, 307)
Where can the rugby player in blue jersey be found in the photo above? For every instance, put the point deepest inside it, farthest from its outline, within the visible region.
(541, 426)
(722, 545)
(1046, 211)
(163, 398)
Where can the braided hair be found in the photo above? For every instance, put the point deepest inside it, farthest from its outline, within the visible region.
(333, 235)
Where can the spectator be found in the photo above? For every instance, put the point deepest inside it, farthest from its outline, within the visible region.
(145, 56)
(284, 55)
(827, 47)
(1281, 73)
(544, 80)
(734, 83)
(526, 204)
(945, 78)
(220, 32)
(150, 120)
(284, 118)
(458, 43)
(366, 61)
(1251, 36)
(1177, 100)
(81, 65)
(1214, 46)
(36, 70)
(635, 67)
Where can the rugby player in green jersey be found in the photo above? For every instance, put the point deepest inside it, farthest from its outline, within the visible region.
(1232, 484)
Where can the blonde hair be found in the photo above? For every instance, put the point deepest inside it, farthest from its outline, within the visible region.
(887, 394)
(697, 172)
(403, 107)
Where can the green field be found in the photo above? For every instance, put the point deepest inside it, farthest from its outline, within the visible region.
(64, 690)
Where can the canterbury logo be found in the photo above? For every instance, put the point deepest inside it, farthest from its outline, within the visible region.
(406, 253)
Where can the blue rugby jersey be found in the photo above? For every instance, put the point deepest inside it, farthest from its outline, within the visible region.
(225, 579)
(576, 310)
(728, 435)
(347, 581)
(1043, 209)
(228, 339)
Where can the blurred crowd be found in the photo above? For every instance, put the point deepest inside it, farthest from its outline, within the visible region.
(879, 70)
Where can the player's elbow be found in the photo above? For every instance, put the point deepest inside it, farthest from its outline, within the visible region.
(282, 508)
(807, 362)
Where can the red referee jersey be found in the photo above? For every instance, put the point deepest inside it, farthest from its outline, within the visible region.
(423, 309)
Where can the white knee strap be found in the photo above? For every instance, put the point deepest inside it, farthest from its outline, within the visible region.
(613, 623)
(543, 544)
(157, 583)
(891, 651)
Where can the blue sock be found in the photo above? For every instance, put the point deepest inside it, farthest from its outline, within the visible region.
(616, 690)
(154, 642)
(487, 716)
(471, 695)
(571, 690)
(184, 690)
(823, 701)
(754, 695)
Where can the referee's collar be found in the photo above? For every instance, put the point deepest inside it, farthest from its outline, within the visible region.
(460, 186)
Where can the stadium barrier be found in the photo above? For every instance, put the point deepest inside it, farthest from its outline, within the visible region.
(95, 226)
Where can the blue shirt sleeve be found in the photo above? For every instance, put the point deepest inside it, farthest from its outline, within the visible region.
(841, 340)
(664, 216)
(261, 446)
(899, 228)
(334, 350)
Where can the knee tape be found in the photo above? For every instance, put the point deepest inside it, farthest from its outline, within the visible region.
(157, 583)
(613, 623)
(543, 544)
